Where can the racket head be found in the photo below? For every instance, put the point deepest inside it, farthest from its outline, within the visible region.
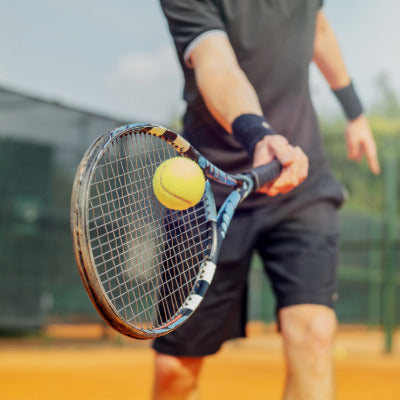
(145, 267)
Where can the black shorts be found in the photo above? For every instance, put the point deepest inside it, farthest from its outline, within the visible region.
(299, 250)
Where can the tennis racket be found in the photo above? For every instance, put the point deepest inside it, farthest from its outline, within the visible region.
(145, 267)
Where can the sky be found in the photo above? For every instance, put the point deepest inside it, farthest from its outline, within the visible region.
(116, 57)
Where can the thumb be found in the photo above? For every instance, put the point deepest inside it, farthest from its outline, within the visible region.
(282, 150)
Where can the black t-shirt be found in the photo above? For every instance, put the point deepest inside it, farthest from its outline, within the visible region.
(273, 42)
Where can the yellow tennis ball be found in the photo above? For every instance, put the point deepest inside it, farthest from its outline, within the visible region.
(179, 183)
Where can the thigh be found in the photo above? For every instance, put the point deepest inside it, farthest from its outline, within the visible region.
(300, 256)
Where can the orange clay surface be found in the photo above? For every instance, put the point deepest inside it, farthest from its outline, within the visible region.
(92, 363)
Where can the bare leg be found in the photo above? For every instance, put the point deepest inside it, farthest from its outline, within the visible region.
(308, 333)
(176, 377)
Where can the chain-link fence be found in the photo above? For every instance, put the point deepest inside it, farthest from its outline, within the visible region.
(41, 144)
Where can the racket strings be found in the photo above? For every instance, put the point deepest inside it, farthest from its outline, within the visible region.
(110, 282)
(110, 171)
(137, 226)
(101, 257)
(147, 257)
(170, 293)
(191, 260)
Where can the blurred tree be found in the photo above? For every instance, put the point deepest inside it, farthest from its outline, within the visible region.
(384, 115)
(387, 103)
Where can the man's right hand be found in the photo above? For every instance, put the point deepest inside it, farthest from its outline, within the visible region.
(293, 160)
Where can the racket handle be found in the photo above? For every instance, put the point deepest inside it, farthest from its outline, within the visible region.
(265, 173)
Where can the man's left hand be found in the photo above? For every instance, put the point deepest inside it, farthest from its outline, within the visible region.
(360, 142)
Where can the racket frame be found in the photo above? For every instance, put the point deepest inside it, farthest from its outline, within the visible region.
(242, 185)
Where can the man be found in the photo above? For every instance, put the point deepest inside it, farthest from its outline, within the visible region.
(246, 64)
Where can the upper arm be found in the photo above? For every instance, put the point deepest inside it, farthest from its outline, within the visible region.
(214, 51)
(190, 20)
(327, 54)
(322, 23)
(322, 28)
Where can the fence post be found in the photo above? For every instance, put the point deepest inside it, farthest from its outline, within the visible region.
(389, 261)
(374, 277)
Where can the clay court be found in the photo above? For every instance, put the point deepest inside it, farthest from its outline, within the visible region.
(91, 363)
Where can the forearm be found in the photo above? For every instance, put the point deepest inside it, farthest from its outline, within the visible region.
(233, 102)
(328, 56)
(223, 85)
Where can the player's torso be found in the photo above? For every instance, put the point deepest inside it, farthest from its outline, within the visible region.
(273, 41)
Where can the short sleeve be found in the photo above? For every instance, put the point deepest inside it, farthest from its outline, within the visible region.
(190, 19)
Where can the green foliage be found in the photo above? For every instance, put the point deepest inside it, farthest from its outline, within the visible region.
(383, 126)
(387, 103)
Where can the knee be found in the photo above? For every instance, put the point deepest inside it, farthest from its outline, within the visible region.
(312, 328)
(176, 374)
(321, 332)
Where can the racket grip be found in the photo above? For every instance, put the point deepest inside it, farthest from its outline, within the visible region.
(265, 173)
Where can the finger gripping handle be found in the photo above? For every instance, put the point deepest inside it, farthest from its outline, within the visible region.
(265, 173)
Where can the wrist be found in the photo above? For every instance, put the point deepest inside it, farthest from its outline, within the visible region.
(349, 101)
(249, 129)
(358, 120)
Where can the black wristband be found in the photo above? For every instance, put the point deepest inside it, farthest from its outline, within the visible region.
(249, 129)
(349, 100)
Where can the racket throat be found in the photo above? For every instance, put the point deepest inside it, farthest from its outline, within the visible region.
(227, 210)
